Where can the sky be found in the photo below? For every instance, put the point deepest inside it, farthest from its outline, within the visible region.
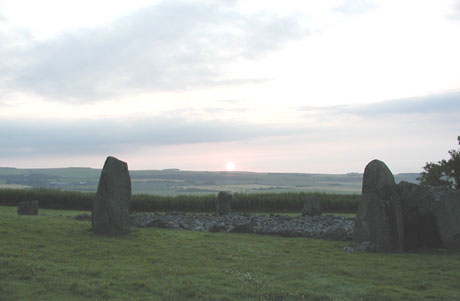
(273, 86)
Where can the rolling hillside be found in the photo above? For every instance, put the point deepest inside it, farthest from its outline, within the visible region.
(176, 182)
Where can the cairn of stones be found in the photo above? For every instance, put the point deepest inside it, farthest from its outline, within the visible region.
(402, 217)
(28, 208)
(110, 215)
(311, 207)
(224, 199)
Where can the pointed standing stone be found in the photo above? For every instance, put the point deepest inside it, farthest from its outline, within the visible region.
(110, 212)
(379, 219)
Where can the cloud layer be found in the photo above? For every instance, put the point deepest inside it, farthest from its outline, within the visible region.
(416, 116)
(171, 46)
(436, 104)
(35, 137)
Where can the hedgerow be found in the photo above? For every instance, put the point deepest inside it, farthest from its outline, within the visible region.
(243, 202)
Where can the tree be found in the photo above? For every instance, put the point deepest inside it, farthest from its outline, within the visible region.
(444, 173)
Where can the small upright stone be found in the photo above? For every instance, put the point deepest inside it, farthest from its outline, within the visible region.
(28, 208)
(311, 207)
(224, 199)
(110, 214)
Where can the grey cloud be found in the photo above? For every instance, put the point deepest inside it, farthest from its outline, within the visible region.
(26, 138)
(455, 13)
(171, 46)
(431, 104)
(355, 7)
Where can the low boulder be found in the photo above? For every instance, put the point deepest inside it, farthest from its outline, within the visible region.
(110, 214)
(28, 208)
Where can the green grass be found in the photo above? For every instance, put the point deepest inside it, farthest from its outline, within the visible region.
(54, 257)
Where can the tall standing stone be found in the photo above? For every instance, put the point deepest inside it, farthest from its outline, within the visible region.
(110, 212)
(379, 219)
(420, 227)
(447, 214)
(28, 208)
(224, 199)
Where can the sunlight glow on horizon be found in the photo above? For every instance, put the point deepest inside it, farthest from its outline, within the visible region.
(230, 166)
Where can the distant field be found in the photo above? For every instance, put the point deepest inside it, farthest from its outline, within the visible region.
(55, 257)
(176, 182)
(14, 186)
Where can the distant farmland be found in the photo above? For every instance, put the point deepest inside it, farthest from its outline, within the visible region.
(177, 182)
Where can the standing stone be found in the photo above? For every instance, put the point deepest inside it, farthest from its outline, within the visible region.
(378, 179)
(110, 212)
(420, 227)
(312, 207)
(406, 216)
(224, 199)
(379, 219)
(28, 208)
(447, 214)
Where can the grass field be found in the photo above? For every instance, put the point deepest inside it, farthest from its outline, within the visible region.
(55, 257)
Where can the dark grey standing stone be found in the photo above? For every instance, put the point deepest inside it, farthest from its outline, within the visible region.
(28, 208)
(110, 212)
(406, 216)
(378, 179)
(379, 219)
(311, 207)
(224, 199)
(420, 227)
(447, 214)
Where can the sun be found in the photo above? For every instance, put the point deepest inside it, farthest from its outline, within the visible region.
(230, 165)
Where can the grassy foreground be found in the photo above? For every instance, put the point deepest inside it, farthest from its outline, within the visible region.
(55, 257)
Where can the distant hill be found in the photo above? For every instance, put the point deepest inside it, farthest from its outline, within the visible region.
(175, 181)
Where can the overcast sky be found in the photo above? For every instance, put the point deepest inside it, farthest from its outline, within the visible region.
(283, 86)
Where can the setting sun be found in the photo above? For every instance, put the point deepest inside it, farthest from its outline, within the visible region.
(230, 165)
